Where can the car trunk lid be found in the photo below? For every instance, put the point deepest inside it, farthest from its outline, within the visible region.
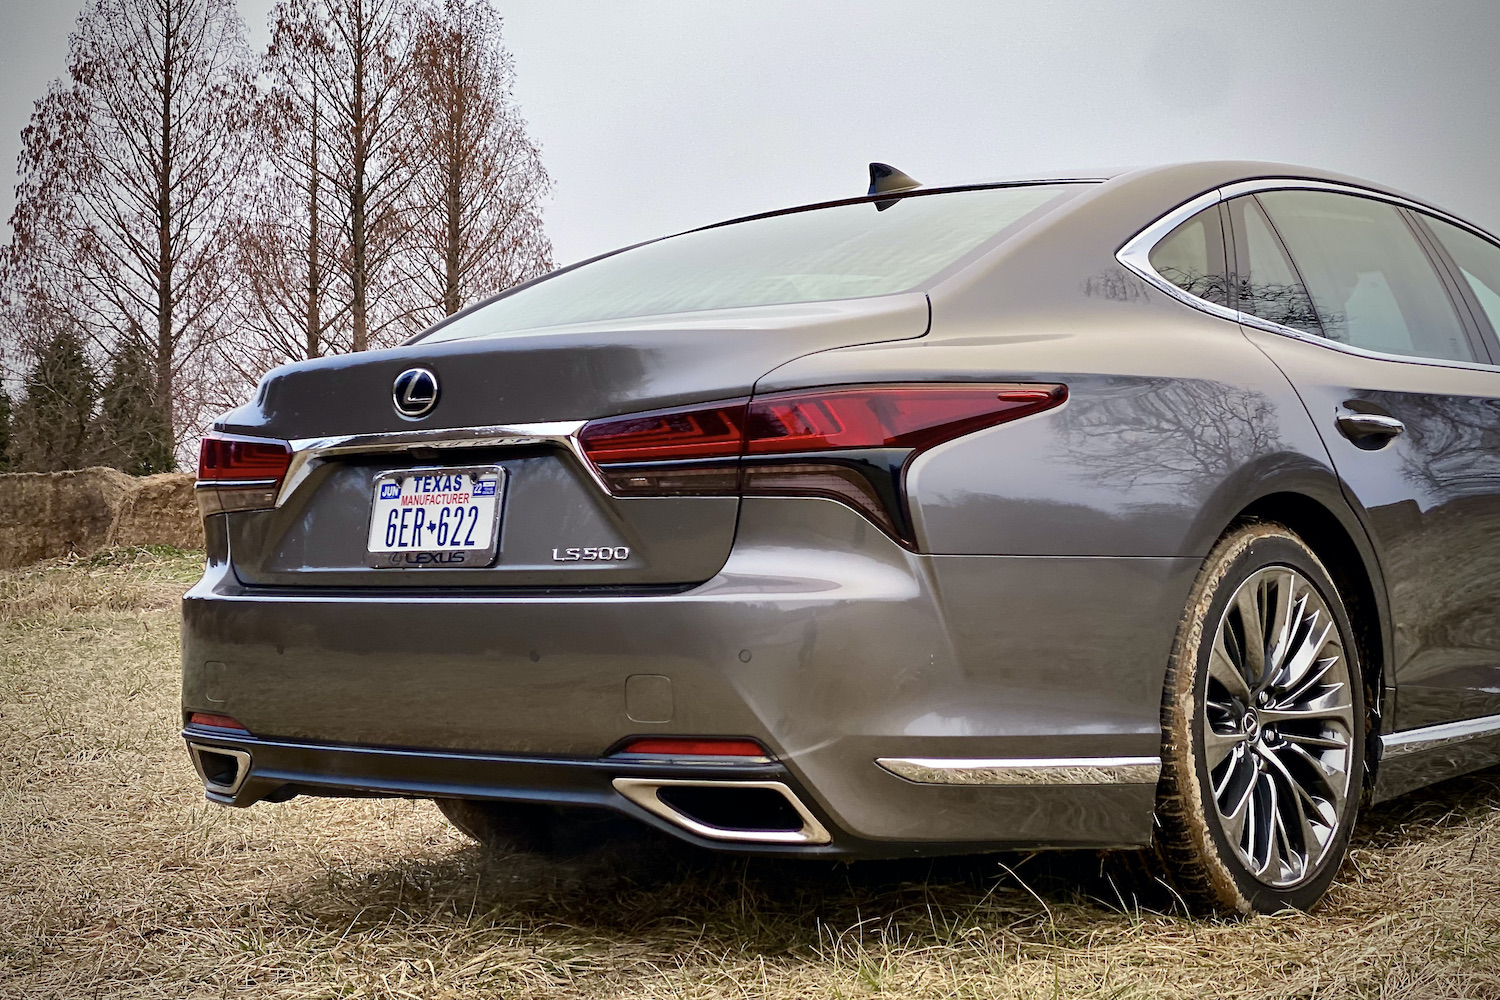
(552, 502)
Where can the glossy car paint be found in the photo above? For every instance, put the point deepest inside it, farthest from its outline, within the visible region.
(1054, 554)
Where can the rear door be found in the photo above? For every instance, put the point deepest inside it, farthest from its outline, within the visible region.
(1400, 380)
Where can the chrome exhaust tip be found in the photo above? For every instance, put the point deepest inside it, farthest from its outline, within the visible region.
(748, 812)
(223, 770)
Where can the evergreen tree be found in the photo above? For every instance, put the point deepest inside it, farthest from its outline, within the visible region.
(131, 433)
(5, 448)
(52, 421)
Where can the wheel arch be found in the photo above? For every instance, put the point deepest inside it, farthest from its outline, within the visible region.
(1340, 543)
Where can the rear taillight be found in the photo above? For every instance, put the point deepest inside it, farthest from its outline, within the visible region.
(848, 443)
(240, 473)
(906, 416)
(713, 431)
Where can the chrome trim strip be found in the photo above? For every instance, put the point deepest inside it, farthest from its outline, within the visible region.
(213, 484)
(642, 791)
(309, 453)
(1413, 741)
(1135, 256)
(1025, 770)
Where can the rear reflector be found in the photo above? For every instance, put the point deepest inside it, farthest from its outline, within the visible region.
(240, 473)
(216, 721)
(666, 746)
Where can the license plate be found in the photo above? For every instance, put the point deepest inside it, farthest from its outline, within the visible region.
(433, 518)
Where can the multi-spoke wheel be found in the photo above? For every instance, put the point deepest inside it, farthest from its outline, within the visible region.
(1263, 729)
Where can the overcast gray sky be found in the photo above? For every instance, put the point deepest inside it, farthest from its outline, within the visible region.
(654, 117)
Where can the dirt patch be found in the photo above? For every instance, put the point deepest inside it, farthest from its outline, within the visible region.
(51, 514)
(117, 879)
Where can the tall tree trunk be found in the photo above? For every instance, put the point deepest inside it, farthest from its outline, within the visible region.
(314, 328)
(165, 341)
(358, 242)
(452, 273)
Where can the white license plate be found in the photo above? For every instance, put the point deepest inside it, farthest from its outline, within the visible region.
(434, 518)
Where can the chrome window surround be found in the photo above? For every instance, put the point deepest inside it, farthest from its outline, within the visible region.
(642, 791)
(1413, 741)
(1135, 256)
(1025, 770)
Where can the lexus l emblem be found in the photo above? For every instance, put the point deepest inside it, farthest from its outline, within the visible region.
(415, 392)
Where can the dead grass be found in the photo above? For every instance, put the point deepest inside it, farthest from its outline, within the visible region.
(117, 879)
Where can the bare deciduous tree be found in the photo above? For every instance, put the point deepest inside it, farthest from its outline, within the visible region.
(476, 225)
(128, 173)
(290, 252)
(359, 66)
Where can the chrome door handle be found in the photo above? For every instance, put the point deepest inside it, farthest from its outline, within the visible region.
(1358, 427)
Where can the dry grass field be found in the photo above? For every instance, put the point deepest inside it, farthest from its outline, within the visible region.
(117, 879)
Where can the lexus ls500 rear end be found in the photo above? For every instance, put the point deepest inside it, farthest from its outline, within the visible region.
(1158, 511)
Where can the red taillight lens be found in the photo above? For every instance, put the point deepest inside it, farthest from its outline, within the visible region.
(216, 721)
(715, 431)
(223, 457)
(668, 746)
(908, 416)
(238, 473)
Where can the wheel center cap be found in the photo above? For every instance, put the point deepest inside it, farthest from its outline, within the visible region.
(1251, 724)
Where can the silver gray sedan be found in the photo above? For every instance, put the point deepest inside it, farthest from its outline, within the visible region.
(1154, 511)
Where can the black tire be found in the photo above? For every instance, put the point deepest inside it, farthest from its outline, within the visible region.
(1286, 830)
(508, 827)
(533, 828)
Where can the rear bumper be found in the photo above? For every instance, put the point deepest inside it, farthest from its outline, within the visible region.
(277, 770)
(820, 638)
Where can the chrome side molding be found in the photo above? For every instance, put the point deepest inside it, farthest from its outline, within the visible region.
(1420, 757)
(1025, 770)
(1396, 745)
(643, 792)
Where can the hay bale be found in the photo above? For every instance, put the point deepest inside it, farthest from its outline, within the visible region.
(44, 515)
(160, 510)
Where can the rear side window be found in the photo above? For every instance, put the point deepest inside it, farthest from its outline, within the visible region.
(1192, 257)
(1266, 285)
(1478, 259)
(1371, 282)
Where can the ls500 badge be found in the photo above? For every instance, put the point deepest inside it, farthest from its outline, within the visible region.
(592, 553)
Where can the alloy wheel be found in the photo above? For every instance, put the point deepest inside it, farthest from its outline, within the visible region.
(1278, 726)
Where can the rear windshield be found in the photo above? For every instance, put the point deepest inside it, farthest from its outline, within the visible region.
(840, 252)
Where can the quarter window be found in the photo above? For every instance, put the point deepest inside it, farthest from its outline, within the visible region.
(1266, 285)
(1478, 259)
(1371, 283)
(1192, 257)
